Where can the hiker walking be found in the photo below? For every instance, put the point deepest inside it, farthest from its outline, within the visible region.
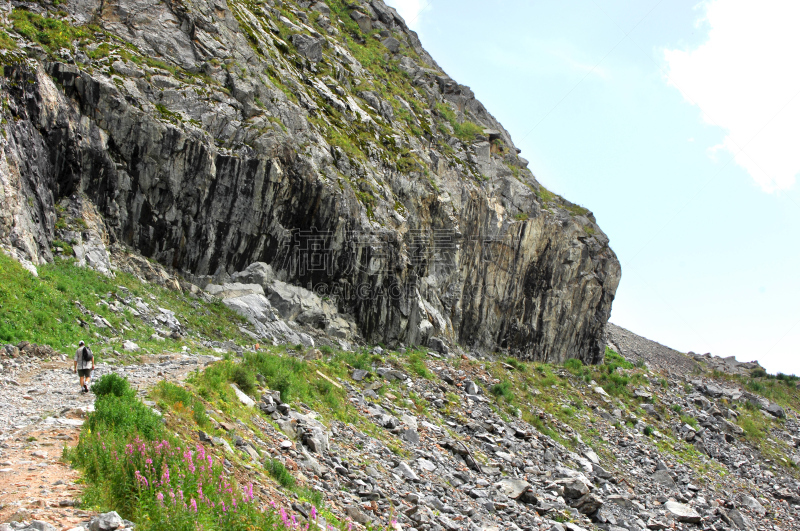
(84, 365)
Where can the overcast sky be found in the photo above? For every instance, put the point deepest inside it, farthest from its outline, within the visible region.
(678, 125)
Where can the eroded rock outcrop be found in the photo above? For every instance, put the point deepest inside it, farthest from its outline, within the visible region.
(283, 134)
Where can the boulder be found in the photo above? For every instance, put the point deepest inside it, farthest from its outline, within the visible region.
(308, 46)
(363, 21)
(105, 522)
(359, 374)
(574, 488)
(752, 505)
(392, 44)
(775, 410)
(587, 504)
(357, 515)
(405, 471)
(130, 346)
(513, 488)
(39, 525)
(471, 388)
(662, 477)
(294, 303)
(740, 520)
(233, 290)
(410, 435)
(437, 344)
(243, 398)
(256, 273)
(682, 512)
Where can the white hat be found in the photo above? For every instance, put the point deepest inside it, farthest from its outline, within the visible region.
(81, 343)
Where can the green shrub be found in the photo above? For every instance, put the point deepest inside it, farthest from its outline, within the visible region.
(279, 472)
(358, 360)
(752, 429)
(124, 415)
(113, 384)
(676, 408)
(180, 399)
(514, 362)
(467, 130)
(648, 431)
(244, 378)
(503, 390)
(614, 383)
(613, 359)
(416, 361)
(691, 421)
(573, 365)
(131, 465)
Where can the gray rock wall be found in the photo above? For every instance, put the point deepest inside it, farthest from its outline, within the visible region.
(211, 174)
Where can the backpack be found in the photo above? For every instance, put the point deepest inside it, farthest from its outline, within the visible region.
(87, 355)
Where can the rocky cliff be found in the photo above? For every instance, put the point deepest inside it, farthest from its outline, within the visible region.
(319, 138)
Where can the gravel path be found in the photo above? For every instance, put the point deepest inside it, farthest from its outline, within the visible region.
(44, 410)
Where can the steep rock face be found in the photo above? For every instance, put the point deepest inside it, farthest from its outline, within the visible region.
(362, 172)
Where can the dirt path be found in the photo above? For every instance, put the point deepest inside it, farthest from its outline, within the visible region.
(43, 410)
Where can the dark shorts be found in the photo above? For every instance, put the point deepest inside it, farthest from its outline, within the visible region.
(86, 373)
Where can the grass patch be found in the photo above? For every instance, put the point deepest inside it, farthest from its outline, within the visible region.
(691, 421)
(416, 362)
(51, 33)
(42, 310)
(181, 402)
(516, 364)
(276, 469)
(503, 390)
(464, 130)
(6, 42)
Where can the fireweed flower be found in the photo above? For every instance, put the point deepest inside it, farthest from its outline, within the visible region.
(141, 479)
(160, 498)
(193, 505)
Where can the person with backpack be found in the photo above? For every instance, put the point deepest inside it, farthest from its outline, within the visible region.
(84, 365)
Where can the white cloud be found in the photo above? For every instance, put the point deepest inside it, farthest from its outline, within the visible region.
(746, 78)
(411, 10)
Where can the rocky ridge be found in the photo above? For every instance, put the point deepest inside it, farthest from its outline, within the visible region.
(319, 138)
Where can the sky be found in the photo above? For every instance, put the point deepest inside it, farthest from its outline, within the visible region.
(678, 124)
